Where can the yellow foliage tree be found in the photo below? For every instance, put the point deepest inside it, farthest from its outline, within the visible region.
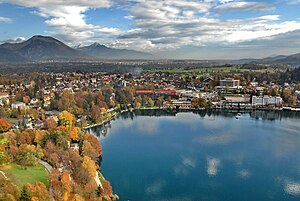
(66, 119)
(74, 132)
(89, 165)
(66, 182)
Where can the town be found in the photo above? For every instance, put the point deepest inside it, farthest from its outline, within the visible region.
(30, 100)
(45, 117)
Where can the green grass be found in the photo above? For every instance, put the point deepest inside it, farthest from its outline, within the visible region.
(208, 70)
(20, 176)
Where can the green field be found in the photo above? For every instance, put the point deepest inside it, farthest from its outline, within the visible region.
(21, 176)
(208, 70)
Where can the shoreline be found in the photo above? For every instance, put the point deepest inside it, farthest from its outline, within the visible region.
(228, 109)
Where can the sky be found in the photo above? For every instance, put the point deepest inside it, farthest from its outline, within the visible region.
(173, 29)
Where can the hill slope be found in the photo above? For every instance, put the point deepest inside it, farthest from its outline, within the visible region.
(102, 52)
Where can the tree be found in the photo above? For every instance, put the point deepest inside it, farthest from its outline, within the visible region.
(89, 165)
(36, 191)
(4, 125)
(91, 147)
(66, 119)
(50, 124)
(27, 137)
(27, 155)
(8, 190)
(75, 132)
(66, 184)
(4, 156)
(25, 194)
(67, 102)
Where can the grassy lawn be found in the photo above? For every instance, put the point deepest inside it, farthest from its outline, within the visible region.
(30, 175)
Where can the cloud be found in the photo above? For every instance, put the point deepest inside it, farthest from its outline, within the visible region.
(162, 25)
(5, 20)
(67, 17)
(14, 40)
(42, 3)
(170, 25)
(230, 6)
(294, 1)
(213, 165)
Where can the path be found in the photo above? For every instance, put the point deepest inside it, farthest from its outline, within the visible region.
(46, 165)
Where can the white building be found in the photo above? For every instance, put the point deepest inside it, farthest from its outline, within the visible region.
(17, 105)
(266, 100)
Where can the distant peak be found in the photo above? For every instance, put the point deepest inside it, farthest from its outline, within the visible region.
(97, 45)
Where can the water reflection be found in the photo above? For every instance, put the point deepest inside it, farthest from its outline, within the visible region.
(206, 155)
(213, 166)
(213, 114)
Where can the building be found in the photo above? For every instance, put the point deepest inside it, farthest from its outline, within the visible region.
(182, 104)
(266, 101)
(230, 83)
(17, 105)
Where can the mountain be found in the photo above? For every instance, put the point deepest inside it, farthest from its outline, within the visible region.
(39, 48)
(7, 55)
(293, 60)
(102, 52)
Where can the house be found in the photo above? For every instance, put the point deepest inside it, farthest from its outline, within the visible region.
(17, 105)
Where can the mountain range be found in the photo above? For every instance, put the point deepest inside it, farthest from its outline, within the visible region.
(45, 49)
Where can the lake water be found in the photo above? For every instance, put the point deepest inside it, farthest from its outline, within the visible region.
(203, 156)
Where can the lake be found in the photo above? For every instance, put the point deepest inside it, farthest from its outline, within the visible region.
(160, 156)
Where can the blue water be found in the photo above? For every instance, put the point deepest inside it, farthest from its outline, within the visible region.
(192, 157)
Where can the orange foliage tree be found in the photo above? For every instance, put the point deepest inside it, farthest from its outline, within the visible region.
(91, 147)
(4, 125)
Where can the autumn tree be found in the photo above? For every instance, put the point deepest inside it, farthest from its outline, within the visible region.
(27, 155)
(36, 191)
(66, 184)
(67, 102)
(66, 119)
(4, 156)
(50, 124)
(4, 125)
(91, 147)
(8, 190)
(75, 133)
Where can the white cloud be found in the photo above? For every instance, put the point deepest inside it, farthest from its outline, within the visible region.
(67, 17)
(161, 25)
(14, 40)
(5, 19)
(170, 24)
(230, 6)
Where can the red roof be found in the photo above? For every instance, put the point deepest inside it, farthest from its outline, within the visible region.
(173, 92)
(144, 91)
